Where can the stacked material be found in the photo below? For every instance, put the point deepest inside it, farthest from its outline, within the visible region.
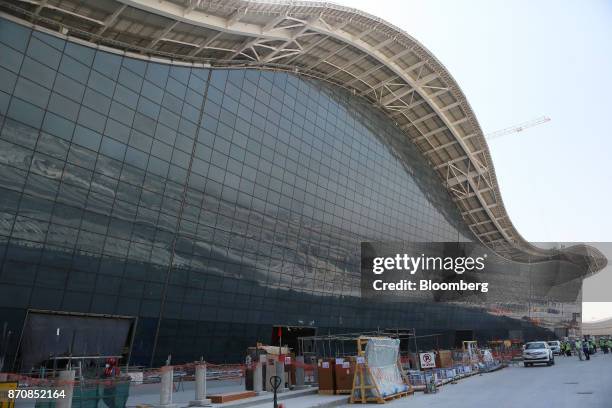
(327, 376)
(379, 376)
(444, 359)
(344, 371)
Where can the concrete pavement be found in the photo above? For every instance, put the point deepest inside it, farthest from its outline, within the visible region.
(570, 383)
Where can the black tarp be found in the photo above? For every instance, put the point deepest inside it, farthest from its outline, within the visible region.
(48, 334)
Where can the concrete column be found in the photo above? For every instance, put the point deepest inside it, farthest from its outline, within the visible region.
(66, 384)
(257, 378)
(165, 390)
(280, 371)
(270, 372)
(299, 373)
(200, 387)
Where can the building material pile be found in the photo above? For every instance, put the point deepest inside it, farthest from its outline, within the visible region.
(378, 376)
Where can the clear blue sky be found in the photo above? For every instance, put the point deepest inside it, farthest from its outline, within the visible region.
(515, 61)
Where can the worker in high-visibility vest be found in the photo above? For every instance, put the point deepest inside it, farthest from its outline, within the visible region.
(609, 344)
(602, 345)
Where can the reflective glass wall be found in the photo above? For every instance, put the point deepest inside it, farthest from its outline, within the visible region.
(209, 204)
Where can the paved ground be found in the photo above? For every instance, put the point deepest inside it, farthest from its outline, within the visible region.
(185, 392)
(570, 383)
(533, 387)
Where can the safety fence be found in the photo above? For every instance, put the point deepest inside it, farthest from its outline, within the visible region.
(114, 391)
(89, 394)
(105, 391)
(136, 375)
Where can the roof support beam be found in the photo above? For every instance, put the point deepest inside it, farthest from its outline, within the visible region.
(192, 5)
(205, 44)
(451, 106)
(451, 162)
(328, 55)
(307, 49)
(43, 4)
(202, 18)
(235, 17)
(346, 66)
(272, 23)
(108, 21)
(162, 34)
(273, 55)
(246, 44)
(387, 100)
(442, 146)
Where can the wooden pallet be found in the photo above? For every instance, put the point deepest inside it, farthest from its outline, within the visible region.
(396, 396)
(326, 392)
(343, 392)
(232, 396)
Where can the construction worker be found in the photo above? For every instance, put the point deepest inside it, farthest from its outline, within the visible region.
(110, 374)
(568, 349)
(602, 344)
(111, 368)
(579, 349)
(586, 349)
(609, 344)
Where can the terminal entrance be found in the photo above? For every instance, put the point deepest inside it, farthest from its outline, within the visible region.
(52, 340)
(288, 336)
(463, 335)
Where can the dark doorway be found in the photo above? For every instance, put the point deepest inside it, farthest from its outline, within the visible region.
(289, 336)
(463, 335)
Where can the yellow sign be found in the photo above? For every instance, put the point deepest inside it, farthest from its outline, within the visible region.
(5, 387)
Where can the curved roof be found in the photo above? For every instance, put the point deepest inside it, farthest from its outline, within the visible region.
(349, 48)
(602, 327)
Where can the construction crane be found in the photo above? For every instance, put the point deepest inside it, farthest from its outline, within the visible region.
(517, 128)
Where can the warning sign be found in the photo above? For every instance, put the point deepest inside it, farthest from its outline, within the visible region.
(428, 360)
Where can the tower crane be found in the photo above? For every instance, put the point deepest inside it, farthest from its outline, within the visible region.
(517, 128)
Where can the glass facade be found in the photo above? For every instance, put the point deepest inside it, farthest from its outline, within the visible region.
(210, 204)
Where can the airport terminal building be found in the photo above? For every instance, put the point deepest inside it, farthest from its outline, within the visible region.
(185, 177)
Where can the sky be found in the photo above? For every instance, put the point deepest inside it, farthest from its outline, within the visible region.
(519, 60)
